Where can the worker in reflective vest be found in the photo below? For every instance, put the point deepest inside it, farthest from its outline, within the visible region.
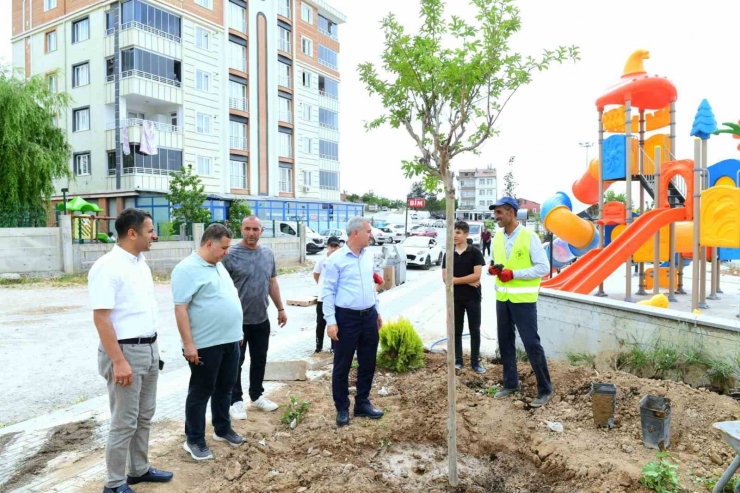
(519, 263)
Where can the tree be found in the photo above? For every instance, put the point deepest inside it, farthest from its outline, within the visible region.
(33, 151)
(238, 210)
(510, 183)
(187, 197)
(447, 86)
(610, 196)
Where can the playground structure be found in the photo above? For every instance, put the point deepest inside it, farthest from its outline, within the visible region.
(696, 214)
(84, 226)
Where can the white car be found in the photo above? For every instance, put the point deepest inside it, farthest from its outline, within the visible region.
(422, 251)
(341, 234)
(476, 229)
(439, 223)
(378, 237)
(394, 235)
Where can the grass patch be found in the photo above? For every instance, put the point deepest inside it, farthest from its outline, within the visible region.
(579, 358)
(521, 355)
(695, 354)
(722, 373)
(293, 269)
(663, 357)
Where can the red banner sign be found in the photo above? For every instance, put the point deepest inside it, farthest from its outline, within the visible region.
(417, 203)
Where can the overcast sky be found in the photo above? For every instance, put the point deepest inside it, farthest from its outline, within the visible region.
(689, 42)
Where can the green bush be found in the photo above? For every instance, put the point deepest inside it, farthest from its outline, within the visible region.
(401, 348)
(661, 475)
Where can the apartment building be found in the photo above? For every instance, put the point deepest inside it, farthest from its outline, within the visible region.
(478, 188)
(245, 92)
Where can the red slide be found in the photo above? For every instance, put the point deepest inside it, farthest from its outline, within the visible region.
(592, 269)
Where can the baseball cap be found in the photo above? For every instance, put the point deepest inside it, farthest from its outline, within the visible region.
(505, 201)
(333, 241)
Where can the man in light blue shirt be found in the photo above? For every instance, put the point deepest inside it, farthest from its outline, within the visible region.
(209, 317)
(351, 313)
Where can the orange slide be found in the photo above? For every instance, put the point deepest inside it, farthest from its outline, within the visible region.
(586, 188)
(593, 268)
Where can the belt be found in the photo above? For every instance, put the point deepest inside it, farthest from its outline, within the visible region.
(356, 312)
(504, 289)
(139, 340)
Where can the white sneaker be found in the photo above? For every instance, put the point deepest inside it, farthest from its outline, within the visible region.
(264, 404)
(237, 411)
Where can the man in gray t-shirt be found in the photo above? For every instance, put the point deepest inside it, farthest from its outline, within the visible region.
(253, 270)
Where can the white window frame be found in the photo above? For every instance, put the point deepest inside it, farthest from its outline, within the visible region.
(282, 142)
(203, 124)
(51, 81)
(306, 78)
(202, 38)
(289, 181)
(306, 178)
(75, 77)
(208, 4)
(241, 25)
(49, 4)
(242, 59)
(306, 13)
(305, 111)
(202, 80)
(307, 145)
(241, 175)
(78, 168)
(206, 161)
(51, 35)
(80, 111)
(305, 40)
(78, 22)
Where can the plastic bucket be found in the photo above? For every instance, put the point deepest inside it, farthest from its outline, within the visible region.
(655, 417)
(604, 403)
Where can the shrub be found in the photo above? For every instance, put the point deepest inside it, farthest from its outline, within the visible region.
(294, 412)
(401, 348)
(661, 475)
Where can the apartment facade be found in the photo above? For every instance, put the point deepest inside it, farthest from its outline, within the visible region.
(222, 85)
(478, 188)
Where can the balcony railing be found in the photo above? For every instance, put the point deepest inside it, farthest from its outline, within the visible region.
(241, 104)
(239, 181)
(329, 157)
(285, 116)
(286, 152)
(144, 27)
(327, 95)
(327, 64)
(138, 122)
(286, 187)
(328, 34)
(284, 80)
(145, 171)
(152, 77)
(239, 64)
(284, 10)
(328, 125)
(238, 143)
(284, 45)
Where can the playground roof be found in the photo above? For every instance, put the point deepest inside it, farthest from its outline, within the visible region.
(79, 204)
(646, 92)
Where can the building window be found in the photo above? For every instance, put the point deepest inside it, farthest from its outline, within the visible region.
(307, 46)
(307, 79)
(203, 166)
(284, 110)
(80, 30)
(202, 80)
(166, 70)
(51, 41)
(328, 87)
(328, 28)
(328, 57)
(162, 163)
(51, 80)
(202, 38)
(305, 111)
(283, 39)
(285, 145)
(238, 136)
(284, 74)
(286, 180)
(237, 17)
(173, 119)
(81, 74)
(237, 96)
(82, 163)
(205, 3)
(328, 180)
(238, 175)
(203, 123)
(109, 69)
(306, 178)
(328, 119)
(238, 56)
(328, 150)
(137, 14)
(284, 8)
(81, 119)
(489, 181)
(307, 13)
(50, 4)
(307, 145)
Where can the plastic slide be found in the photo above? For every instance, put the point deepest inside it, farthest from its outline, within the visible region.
(581, 235)
(593, 268)
(586, 188)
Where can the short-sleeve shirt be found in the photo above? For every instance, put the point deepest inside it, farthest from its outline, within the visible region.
(318, 269)
(251, 271)
(122, 283)
(464, 266)
(214, 308)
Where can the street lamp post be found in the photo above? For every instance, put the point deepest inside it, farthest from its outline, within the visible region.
(587, 145)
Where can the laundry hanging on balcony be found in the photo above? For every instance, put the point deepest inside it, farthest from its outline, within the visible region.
(148, 143)
(125, 147)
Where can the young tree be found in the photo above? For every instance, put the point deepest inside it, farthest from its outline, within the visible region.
(187, 197)
(238, 210)
(509, 182)
(33, 151)
(446, 86)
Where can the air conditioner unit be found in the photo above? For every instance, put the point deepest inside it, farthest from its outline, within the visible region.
(305, 188)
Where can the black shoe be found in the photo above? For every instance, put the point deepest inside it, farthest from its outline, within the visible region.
(367, 411)
(541, 400)
(121, 489)
(318, 350)
(503, 393)
(152, 476)
(343, 417)
(458, 365)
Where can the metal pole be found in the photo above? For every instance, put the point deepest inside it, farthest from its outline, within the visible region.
(552, 241)
(671, 261)
(696, 241)
(641, 160)
(715, 276)
(600, 292)
(628, 184)
(406, 225)
(656, 196)
(703, 266)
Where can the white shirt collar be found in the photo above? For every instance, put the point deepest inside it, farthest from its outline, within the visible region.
(126, 255)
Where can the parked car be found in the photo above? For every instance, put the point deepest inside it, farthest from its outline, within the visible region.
(439, 223)
(422, 251)
(425, 231)
(414, 216)
(394, 235)
(378, 237)
(314, 242)
(339, 233)
(384, 209)
(413, 228)
(475, 231)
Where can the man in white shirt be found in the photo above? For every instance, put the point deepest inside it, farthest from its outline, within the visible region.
(124, 311)
(332, 245)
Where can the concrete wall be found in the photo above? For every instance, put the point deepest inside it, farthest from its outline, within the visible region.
(573, 322)
(25, 250)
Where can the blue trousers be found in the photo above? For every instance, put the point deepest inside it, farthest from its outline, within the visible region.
(357, 332)
(522, 316)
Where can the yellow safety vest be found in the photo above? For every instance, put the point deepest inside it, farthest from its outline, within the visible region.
(516, 290)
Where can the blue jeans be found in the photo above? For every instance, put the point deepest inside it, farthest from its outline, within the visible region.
(213, 379)
(357, 332)
(524, 317)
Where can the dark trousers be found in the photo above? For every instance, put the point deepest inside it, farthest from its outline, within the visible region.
(357, 332)
(524, 317)
(213, 379)
(486, 248)
(257, 339)
(320, 325)
(473, 309)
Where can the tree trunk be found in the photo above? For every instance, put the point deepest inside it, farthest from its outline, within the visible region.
(449, 301)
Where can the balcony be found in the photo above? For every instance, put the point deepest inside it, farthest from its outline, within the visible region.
(328, 101)
(327, 132)
(284, 81)
(284, 45)
(146, 37)
(167, 135)
(328, 34)
(286, 187)
(285, 116)
(140, 179)
(286, 152)
(148, 86)
(241, 104)
(238, 181)
(239, 143)
(284, 10)
(328, 64)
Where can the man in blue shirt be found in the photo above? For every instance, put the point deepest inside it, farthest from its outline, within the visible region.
(351, 313)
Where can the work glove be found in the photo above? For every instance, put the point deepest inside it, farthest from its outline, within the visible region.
(506, 275)
(377, 279)
(495, 269)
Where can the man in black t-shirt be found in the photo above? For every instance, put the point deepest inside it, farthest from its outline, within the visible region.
(467, 268)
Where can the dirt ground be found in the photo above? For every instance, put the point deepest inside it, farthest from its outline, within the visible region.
(504, 445)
